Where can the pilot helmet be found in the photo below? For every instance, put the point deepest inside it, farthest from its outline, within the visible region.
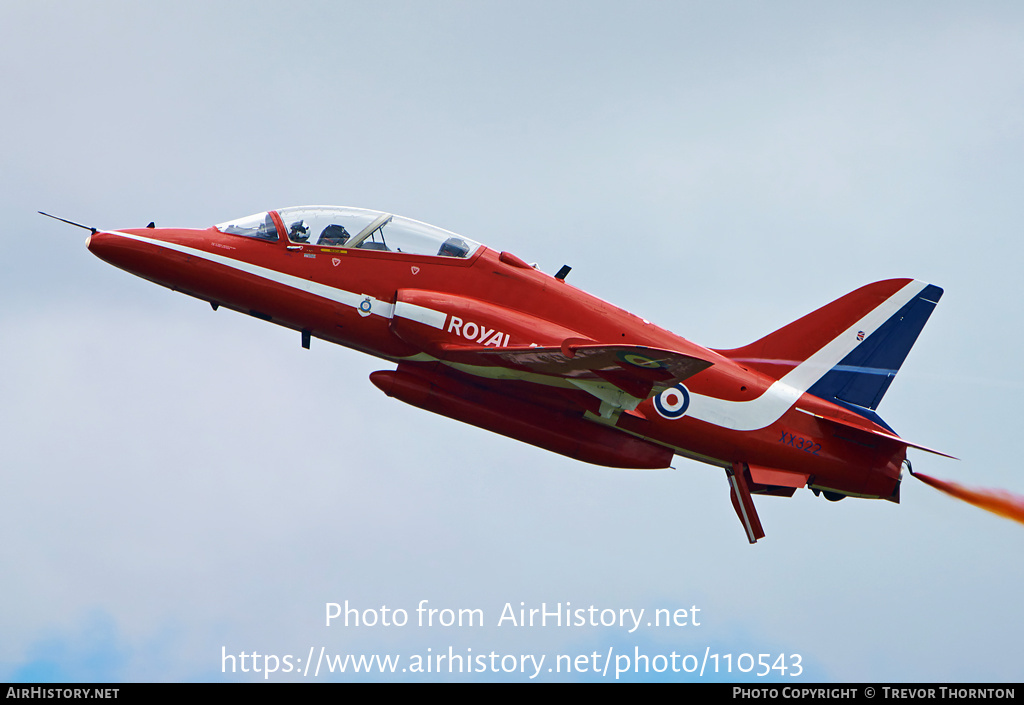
(454, 247)
(299, 231)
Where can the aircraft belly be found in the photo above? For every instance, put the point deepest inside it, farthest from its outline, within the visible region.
(791, 445)
(556, 429)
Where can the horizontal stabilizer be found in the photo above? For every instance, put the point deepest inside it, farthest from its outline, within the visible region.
(876, 433)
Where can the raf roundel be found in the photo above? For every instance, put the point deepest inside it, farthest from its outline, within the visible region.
(673, 402)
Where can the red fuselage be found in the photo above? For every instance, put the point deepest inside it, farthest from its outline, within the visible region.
(439, 317)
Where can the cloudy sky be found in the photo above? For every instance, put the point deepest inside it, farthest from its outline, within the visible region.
(178, 484)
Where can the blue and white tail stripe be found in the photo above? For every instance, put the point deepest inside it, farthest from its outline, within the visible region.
(861, 379)
(784, 393)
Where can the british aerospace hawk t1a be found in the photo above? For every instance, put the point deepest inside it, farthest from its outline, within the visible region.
(485, 338)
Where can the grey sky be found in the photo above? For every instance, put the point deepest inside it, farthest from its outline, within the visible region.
(176, 480)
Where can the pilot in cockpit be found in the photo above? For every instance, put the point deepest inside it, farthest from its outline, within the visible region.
(334, 234)
(299, 231)
(454, 247)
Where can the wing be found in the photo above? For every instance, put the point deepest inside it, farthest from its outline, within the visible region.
(620, 376)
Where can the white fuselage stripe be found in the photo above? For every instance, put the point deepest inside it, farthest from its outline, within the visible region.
(420, 314)
(341, 296)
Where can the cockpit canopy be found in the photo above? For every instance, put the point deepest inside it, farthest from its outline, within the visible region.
(353, 228)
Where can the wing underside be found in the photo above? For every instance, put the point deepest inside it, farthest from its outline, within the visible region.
(620, 376)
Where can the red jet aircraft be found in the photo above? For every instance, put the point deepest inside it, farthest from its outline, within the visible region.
(485, 338)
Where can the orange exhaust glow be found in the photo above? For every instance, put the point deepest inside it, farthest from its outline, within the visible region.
(1005, 504)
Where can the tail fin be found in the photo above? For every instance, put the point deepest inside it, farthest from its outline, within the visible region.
(849, 351)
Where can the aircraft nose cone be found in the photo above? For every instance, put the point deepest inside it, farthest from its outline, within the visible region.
(101, 244)
(121, 251)
(94, 242)
(145, 252)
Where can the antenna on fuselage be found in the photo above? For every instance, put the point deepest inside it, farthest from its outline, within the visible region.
(70, 222)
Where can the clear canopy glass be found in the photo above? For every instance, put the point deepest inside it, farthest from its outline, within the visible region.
(354, 228)
(260, 226)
